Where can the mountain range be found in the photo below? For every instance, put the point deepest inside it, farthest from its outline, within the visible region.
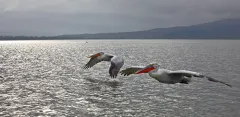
(223, 29)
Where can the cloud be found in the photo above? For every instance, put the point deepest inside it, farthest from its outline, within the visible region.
(52, 17)
(10, 5)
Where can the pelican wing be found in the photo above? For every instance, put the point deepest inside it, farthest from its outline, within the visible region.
(195, 74)
(214, 80)
(92, 62)
(116, 65)
(131, 70)
(113, 70)
(184, 73)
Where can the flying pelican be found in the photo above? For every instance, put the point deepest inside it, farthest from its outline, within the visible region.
(167, 76)
(116, 62)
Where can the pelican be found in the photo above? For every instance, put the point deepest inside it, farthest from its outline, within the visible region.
(167, 76)
(116, 62)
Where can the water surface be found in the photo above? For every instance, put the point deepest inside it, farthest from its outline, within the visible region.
(45, 78)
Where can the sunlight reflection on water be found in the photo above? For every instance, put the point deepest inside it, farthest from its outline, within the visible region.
(40, 78)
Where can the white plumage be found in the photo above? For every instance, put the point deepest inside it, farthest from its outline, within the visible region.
(167, 76)
(116, 62)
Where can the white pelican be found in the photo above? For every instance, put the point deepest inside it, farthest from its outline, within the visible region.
(167, 76)
(116, 62)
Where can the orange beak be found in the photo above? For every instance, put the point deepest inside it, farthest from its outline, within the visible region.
(145, 70)
(94, 56)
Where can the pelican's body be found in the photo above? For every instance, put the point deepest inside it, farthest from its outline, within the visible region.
(116, 62)
(162, 76)
(167, 76)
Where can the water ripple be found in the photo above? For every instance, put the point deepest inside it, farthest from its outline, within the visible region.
(45, 78)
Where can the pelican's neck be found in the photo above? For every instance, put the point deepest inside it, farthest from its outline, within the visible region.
(107, 57)
(155, 70)
(154, 73)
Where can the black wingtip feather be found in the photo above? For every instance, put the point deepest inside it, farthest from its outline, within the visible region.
(85, 67)
(214, 80)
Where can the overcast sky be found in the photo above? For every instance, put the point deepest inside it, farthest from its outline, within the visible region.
(53, 17)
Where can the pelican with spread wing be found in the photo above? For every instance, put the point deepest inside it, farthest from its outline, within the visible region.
(116, 62)
(167, 76)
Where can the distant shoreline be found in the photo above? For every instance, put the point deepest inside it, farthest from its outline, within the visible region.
(108, 39)
(224, 29)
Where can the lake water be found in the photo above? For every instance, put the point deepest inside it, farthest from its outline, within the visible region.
(45, 78)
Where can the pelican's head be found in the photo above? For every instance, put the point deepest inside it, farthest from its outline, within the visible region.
(96, 55)
(155, 65)
(148, 68)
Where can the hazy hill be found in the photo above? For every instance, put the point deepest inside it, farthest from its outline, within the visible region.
(229, 28)
(224, 29)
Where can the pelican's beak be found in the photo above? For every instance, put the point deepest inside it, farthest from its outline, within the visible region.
(145, 70)
(95, 55)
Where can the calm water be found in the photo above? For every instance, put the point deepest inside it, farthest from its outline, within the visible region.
(44, 78)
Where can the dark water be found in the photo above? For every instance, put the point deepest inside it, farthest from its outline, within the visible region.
(44, 78)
